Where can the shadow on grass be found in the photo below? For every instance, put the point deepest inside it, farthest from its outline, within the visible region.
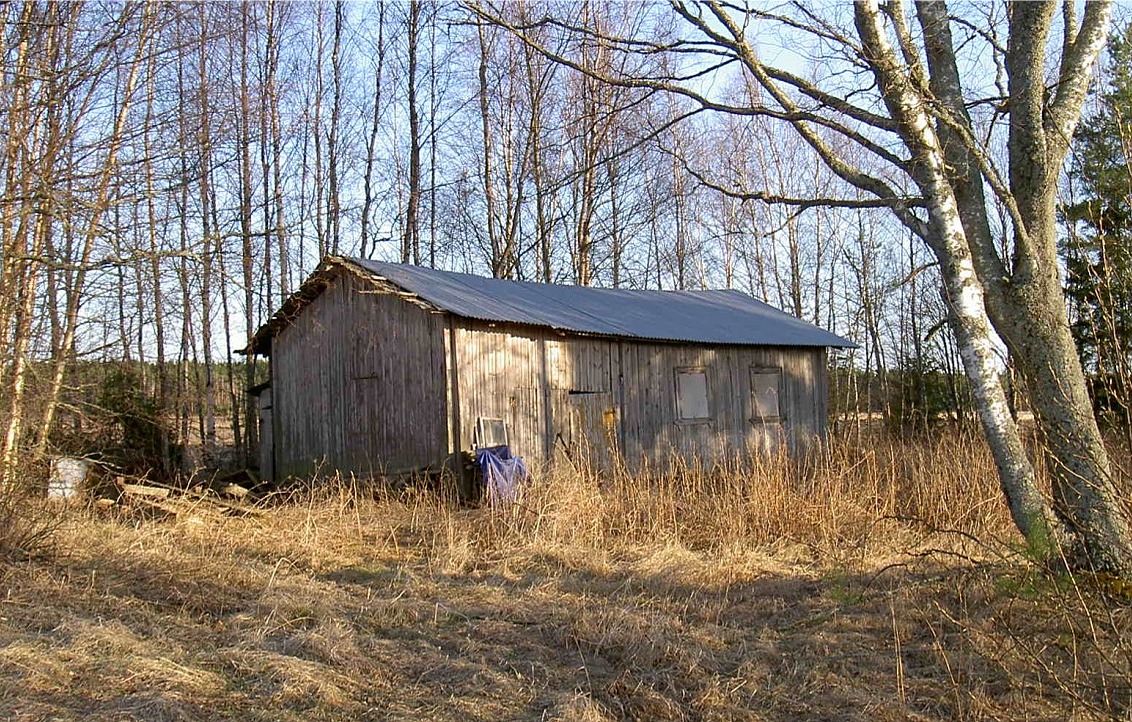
(666, 635)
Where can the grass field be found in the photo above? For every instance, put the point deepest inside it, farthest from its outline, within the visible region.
(869, 584)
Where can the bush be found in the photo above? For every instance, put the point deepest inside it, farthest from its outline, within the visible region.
(125, 429)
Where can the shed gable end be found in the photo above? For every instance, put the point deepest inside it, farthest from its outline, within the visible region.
(359, 384)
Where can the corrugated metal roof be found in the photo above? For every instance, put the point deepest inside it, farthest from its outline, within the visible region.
(718, 317)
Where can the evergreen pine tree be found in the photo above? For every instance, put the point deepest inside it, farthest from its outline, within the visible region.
(1098, 255)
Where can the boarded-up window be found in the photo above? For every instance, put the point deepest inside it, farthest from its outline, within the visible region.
(692, 394)
(766, 385)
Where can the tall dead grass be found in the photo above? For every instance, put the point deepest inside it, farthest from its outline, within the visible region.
(842, 499)
(843, 503)
(27, 528)
(754, 590)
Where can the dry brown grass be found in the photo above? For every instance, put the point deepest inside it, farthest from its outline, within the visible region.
(850, 588)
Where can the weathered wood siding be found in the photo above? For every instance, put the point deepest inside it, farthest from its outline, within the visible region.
(266, 436)
(499, 374)
(359, 384)
(651, 431)
(553, 392)
(587, 399)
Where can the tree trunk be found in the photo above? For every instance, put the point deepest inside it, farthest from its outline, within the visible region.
(250, 409)
(333, 203)
(488, 179)
(411, 239)
(272, 51)
(104, 186)
(1086, 499)
(210, 235)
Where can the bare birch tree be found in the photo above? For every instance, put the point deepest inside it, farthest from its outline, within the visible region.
(102, 198)
(411, 235)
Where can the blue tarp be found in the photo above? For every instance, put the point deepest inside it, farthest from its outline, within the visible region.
(502, 473)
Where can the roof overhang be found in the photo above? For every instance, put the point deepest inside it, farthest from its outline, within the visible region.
(452, 294)
(331, 268)
(312, 288)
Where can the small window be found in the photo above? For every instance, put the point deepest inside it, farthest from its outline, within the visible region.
(692, 395)
(766, 385)
(490, 433)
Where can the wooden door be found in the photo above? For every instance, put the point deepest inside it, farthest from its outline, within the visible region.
(584, 428)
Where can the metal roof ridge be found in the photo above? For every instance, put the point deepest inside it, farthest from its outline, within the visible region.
(364, 263)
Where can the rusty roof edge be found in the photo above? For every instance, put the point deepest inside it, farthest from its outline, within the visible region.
(310, 289)
(318, 281)
(387, 285)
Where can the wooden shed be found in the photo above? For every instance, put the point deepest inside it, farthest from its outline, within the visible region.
(379, 368)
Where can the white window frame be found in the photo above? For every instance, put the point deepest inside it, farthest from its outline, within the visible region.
(487, 426)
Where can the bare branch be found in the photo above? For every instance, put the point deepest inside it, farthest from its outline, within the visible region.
(907, 48)
(1078, 56)
(832, 101)
(791, 113)
(844, 170)
(802, 203)
(1069, 27)
(986, 34)
(966, 157)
